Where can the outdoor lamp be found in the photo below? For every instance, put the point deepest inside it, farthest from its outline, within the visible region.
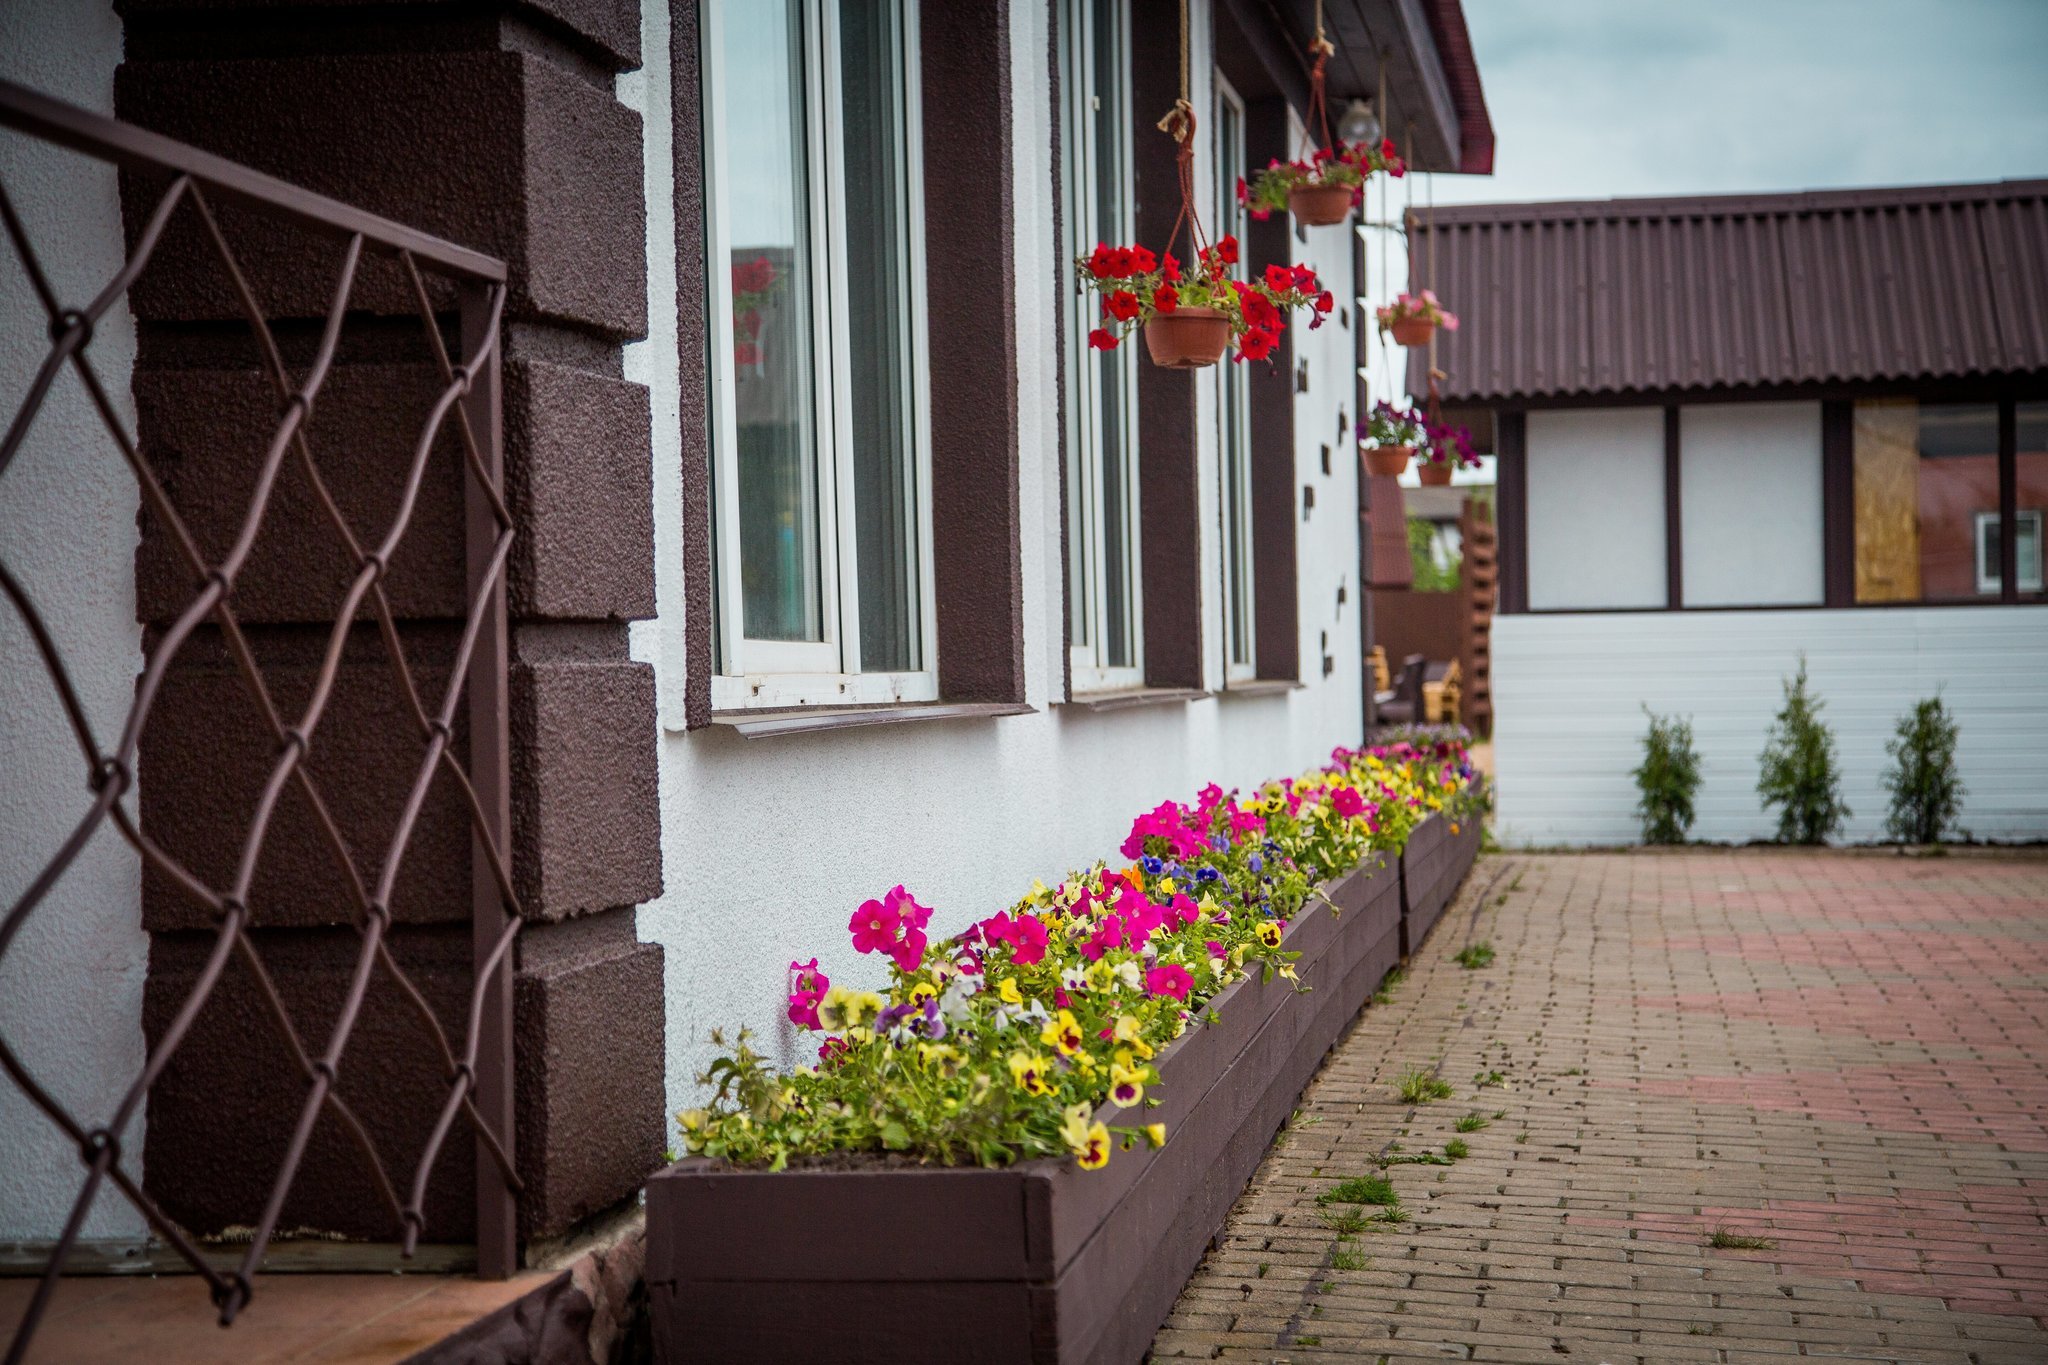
(1358, 123)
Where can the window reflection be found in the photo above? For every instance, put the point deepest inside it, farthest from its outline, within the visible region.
(770, 261)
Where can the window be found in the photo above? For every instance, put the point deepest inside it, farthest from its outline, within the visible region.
(1596, 512)
(1102, 447)
(820, 467)
(1750, 505)
(1924, 474)
(1233, 415)
(1990, 550)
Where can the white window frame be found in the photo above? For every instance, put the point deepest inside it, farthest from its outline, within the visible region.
(1084, 398)
(1993, 583)
(1240, 585)
(781, 673)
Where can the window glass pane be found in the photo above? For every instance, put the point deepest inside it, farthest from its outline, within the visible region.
(2031, 443)
(1116, 645)
(1750, 504)
(767, 179)
(1232, 418)
(1596, 508)
(1924, 474)
(879, 359)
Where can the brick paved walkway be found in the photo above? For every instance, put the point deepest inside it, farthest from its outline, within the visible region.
(1844, 1055)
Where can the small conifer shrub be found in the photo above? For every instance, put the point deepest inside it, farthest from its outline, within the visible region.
(1799, 773)
(1927, 789)
(1668, 778)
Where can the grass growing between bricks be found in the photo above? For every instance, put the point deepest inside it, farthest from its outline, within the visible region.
(1476, 956)
(1361, 1189)
(1472, 1122)
(1419, 1085)
(1724, 1240)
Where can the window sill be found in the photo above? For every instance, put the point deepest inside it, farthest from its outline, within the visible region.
(766, 724)
(1134, 696)
(1261, 687)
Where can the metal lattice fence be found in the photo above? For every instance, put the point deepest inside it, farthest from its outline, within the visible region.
(476, 1065)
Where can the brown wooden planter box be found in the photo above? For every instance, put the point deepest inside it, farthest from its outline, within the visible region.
(1041, 1262)
(1433, 866)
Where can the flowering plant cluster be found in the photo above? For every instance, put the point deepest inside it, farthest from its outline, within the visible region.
(1005, 1041)
(1421, 307)
(1388, 426)
(1349, 164)
(1444, 444)
(1137, 285)
(753, 284)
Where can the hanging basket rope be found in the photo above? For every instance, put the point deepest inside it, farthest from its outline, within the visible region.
(1190, 322)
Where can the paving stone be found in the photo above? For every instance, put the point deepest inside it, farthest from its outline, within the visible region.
(1842, 1053)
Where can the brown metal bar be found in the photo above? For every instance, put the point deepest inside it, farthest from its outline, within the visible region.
(108, 139)
(479, 1078)
(490, 768)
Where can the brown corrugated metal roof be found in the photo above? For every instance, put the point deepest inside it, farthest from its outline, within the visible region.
(1624, 296)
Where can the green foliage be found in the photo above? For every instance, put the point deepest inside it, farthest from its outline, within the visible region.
(1457, 1149)
(1927, 790)
(1420, 1085)
(1349, 1258)
(1361, 1189)
(1799, 774)
(1474, 956)
(1430, 576)
(1668, 778)
(1471, 1123)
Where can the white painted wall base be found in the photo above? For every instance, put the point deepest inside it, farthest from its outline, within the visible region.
(1569, 691)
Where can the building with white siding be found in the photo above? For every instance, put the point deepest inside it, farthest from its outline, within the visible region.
(1734, 431)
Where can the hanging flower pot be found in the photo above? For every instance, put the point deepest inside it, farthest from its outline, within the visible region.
(1319, 189)
(1389, 439)
(1444, 450)
(1387, 462)
(1188, 338)
(1413, 318)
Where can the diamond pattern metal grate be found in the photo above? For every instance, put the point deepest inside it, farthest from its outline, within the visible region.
(476, 1065)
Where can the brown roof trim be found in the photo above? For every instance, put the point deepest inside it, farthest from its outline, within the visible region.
(1461, 70)
(1738, 205)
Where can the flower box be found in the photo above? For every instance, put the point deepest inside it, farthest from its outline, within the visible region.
(1038, 1262)
(1433, 865)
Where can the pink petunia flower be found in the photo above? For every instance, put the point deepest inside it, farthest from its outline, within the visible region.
(1170, 978)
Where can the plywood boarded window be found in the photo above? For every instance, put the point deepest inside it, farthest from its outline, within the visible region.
(1925, 474)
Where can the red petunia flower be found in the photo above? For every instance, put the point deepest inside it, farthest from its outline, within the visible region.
(1143, 262)
(1279, 278)
(1227, 250)
(1122, 305)
(1101, 340)
(1325, 301)
(1166, 299)
(1257, 344)
(1122, 262)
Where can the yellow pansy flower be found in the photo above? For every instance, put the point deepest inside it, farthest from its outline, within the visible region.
(1062, 1031)
(1156, 1132)
(1127, 1031)
(1028, 1070)
(1007, 992)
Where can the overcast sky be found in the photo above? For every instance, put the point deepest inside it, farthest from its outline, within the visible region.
(1596, 98)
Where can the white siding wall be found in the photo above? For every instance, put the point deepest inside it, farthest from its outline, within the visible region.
(1568, 692)
(769, 845)
(1750, 504)
(1596, 508)
(71, 989)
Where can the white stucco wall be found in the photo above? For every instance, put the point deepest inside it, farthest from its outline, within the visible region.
(71, 983)
(1568, 694)
(770, 844)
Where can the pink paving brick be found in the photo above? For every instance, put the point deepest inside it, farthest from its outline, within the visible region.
(1844, 1054)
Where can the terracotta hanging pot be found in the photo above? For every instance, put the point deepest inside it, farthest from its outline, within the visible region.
(1413, 331)
(1319, 205)
(1387, 462)
(1434, 475)
(1188, 338)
